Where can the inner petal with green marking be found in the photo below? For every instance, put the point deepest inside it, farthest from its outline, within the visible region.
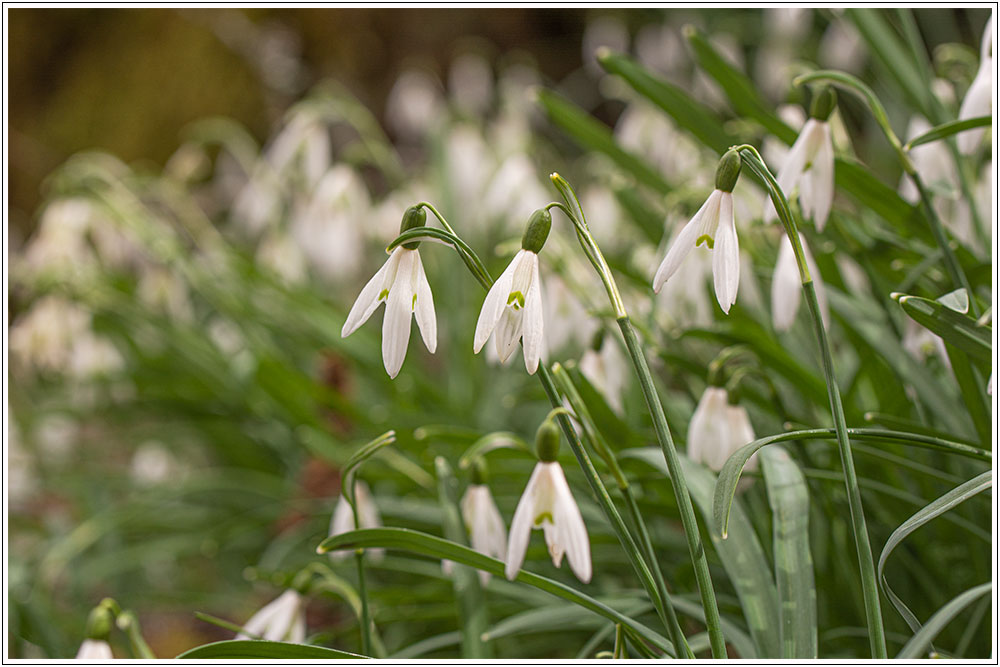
(543, 517)
(708, 240)
(516, 300)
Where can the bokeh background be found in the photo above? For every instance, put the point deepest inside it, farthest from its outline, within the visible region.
(192, 465)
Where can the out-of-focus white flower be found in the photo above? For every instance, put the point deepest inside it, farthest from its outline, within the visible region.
(512, 310)
(151, 463)
(606, 31)
(92, 356)
(470, 82)
(786, 286)
(646, 131)
(979, 98)
(567, 319)
(470, 165)
(487, 532)
(94, 649)
(60, 244)
(414, 105)
(809, 165)
(517, 174)
(279, 254)
(43, 337)
(785, 28)
(607, 370)
(547, 504)
(164, 290)
(718, 429)
(22, 480)
(714, 225)
(932, 161)
(402, 284)
(281, 620)
(660, 49)
(329, 229)
(921, 343)
(342, 520)
(842, 47)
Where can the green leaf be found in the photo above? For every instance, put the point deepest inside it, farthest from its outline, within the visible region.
(424, 646)
(741, 554)
(596, 136)
(955, 328)
(259, 649)
(435, 547)
(918, 644)
(788, 496)
(932, 510)
(947, 129)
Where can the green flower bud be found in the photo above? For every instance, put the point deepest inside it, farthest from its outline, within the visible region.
(728, 171)
(547, 441)
(100, 622)
(537, 231)
(480, 473)
(415, 216)
(823, 103)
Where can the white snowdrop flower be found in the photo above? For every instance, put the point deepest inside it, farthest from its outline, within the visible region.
(979, 98)
(842, 47)
(152, 464)
(281, 620)
(42, 338)
(95, 649)
(548, 505)
(517, 174)
(60, 244)
(809, 164)
(279, 254)
(342, 520)
(164, 290)
(931, 160)
(487, 532)
(470, 81)
(683, 301)
(773, 149)
(661, 49)
(402, 285)
(921, 343)
(513, 306)
(567, 319)
(303, 144)
(715, 226)
(605, 31)
(470, 164)
(93, 355)
(786, 285)
(414, 104)
(606, 368)
(326, 228)
(718, 429)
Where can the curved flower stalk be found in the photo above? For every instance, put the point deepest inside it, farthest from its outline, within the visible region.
(548, 505)
(402, 285)
(718, 428)
(713, 225)
(979, 98)
(513, 307)
(282, 619)
(809, 163)
(342, 520)
(786, 286)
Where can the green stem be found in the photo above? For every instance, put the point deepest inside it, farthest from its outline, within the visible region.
(869, 587)
(684, 505)
(359, 557)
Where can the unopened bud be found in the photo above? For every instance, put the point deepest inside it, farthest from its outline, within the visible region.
(100, 622)
(415, 216)
(728, 171)
(547, 441)
(823, 103)
(537, 231)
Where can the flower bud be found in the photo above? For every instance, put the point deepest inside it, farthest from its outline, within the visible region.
(537, 231)
(480, 473)
(547, 441)
(823, 103)
(415, 216)
(100, 622)
(728, 171)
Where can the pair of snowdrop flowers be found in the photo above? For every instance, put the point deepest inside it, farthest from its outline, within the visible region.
(809, 167)
(511, 312)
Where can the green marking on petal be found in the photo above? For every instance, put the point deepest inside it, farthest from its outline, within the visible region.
(709, 241)
(413, 305)
(383, 294)
(544, 516)
(517, 299)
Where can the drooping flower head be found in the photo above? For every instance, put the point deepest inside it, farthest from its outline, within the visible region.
(487, 532)
(979, 98)
(548, 505)
(512, 310)
(99, 625)
(718, 428)
(605, 367)
(402, 285)
(714, 226)
(281, 620)
(809, 163)
(342, 520)
(786, 285)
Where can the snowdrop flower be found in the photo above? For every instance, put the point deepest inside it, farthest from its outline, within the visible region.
(548, 505)
(809, 163)
(513, 306)
(99, 624)
(786, 286)
(487, 532)
(979, 98)
(94, 649)
(604, 366)
(282, 619)
(718, 428)
(402, 285)
(342, 520)
(712, 224)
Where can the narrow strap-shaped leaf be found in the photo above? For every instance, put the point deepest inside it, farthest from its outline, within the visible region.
(947, 129)
(435, 547)
(259, 649)
(932, 510)
(788, 496)
(955, 328)
(918, 644)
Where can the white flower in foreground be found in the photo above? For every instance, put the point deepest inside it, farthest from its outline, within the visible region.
(786, 285)
(402, 285)
(718, 429)
(548, 504)
(487, 532)
(513, 307)
(94, 649)
(979, 98)
(282, 619)
(342, 520)
(809, 164)
(714, 225)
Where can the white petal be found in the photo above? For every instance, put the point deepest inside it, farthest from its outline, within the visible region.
(520, 527)
(726, 255)
(707, 432)
(423, 308)
(978, 102)
(508, 332)
(495, 303)
(262, 620)
(684, 242)
(821, 177)
(793, 166)
(786, 287)
(370, 296)
(532, 325)
(396, 322)
(571, 530)
(94, 649)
